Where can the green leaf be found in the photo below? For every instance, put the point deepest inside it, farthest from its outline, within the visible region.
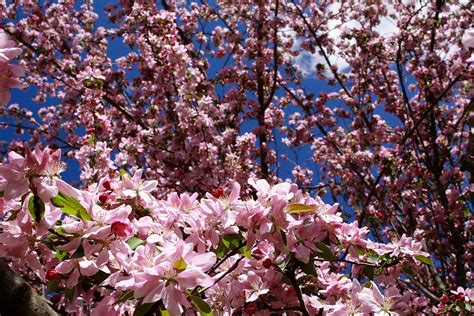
(221, 250)
(468, 307)
(408, 270)
(134, 242)
(379, 270)
(79, 253)
(232, 241)
(54, 284)
(123, 172)
(203, 308)
(425, 260)
(36, 208)
(68, 293)
(246, 252)
(308, 268)
(372, 259)
(91, 140)
(387, 260)
(60, 230)
(326, 252)
(299, 208)
(142, 309)
(100, 277)
(180, 265)
(49, 242)
(70, 206)
(164, 312)
(368, 272)
(61, 255)
(285, 262)
(125, 296)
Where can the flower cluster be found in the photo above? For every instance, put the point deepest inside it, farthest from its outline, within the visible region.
(365, 104)
(10, 74)
(114, 248)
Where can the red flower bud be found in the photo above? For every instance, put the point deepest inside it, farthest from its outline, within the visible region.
(444, 299)
(121, 229)
(103, 198)
(51, 274)
(107, 185)
(217, 192)
(267, 263)
(251, 308)
(56, 298)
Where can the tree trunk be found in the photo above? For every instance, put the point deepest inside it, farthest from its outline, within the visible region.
(18, 298)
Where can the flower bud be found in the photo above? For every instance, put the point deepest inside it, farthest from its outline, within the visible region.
(121, 229)
(103, 198)
(51, 274)
(251, 308)
(217, 192)
(267, 263)
(56, 298)
(107, 185)
(444, 299)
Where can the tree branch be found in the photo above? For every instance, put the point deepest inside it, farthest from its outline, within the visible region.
(17, 297)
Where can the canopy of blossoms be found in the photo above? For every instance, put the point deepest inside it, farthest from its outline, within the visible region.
(114, 248)
(182, 136)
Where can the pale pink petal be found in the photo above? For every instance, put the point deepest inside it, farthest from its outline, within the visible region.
(3, 39)
(68, 189)
(46, 189)
(118, 214)
(71, 246)
(468, 38)
(149, 186)
(235, 193)
(4, 96)
(73, 279)
(15, 158)
(65, 267)
(88, 268)
(190, 278)
(171, 298)
(204, 261)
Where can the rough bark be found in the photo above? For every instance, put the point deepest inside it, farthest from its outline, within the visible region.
(18, 298)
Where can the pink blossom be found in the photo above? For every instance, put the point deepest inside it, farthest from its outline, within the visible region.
(111, 221)
(468, 38)
(216, 96)
(468, 42)
(136, 187)
(75, 268)
(8, 51)
(39, 168)
(392, 302)
(9, 78)
(175, 269)
(9, 74)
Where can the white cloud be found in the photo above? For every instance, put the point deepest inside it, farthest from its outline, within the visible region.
(306, 62)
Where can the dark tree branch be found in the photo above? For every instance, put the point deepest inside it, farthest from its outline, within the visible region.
(18, 298)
